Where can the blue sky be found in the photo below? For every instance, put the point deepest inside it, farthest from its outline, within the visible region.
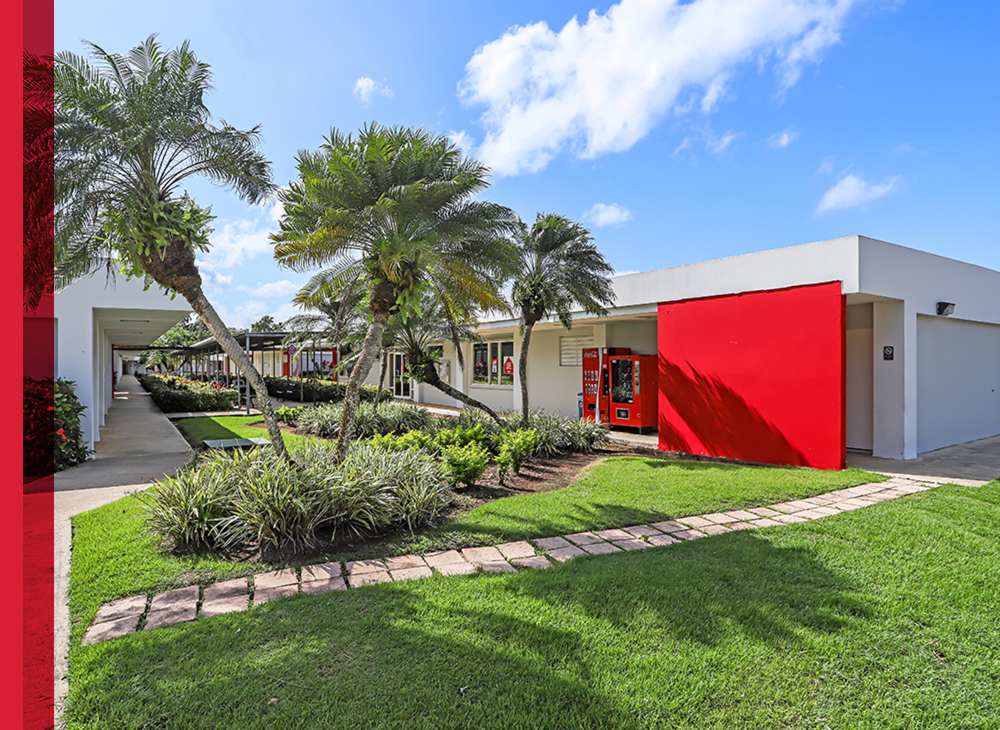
(678, 132)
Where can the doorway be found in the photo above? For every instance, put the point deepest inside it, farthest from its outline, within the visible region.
(400, 379)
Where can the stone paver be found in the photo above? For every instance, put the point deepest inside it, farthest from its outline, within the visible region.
(720, 518)
(323, 571)
(112, 629)
(263, 595)
(642, 531)
(404, 562)
(445, 557)
(122, 617)
(481, 555)
(275, 579)
(565, 553)
(369, 578)
(600, 548)
(462, 568)
(661, 540)
(519, 549)
(501, 566)
(324, 585)
(583, 538)
(122, 608)
(670, 526)
(227, 597)
(177, 598)
(535, 562)
(420, 571)
(613, 534)
(364, 566)
(175, 614)
(695, 522)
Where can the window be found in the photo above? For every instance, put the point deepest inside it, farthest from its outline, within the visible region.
(571, 348)
(493, 363)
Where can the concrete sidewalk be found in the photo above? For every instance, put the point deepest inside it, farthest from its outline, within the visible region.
(138, 444)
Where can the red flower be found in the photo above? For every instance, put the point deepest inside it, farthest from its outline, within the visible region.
(63, 438)
(60, 432)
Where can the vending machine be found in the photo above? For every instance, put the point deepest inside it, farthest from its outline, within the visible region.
(633, 398)
(595, 381)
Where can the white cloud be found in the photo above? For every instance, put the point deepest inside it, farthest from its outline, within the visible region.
(462, 140)
(276, 211)
(282, 288)
(237, 242)
(780, 140)
(718, 146)
(600, 215)
(210, 276)
(366, 88)
(601, 86)
(852, 191)
(826, 166)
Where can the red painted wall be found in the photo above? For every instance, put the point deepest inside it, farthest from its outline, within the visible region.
(757, 376)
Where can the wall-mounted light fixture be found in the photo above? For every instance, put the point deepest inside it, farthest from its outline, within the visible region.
(945, 308)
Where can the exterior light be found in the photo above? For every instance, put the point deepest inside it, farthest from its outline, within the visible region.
(945, 308)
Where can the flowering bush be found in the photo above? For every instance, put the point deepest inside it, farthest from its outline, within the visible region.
(53, 439)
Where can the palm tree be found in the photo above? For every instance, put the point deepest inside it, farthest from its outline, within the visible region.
(394, 210)
(437, 322)
(561, 270)
(37, 178)
(128, 132)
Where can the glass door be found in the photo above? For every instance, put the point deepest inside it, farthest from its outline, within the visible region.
(400, 378)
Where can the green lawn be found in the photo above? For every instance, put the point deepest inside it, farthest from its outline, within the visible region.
(885, 617)
(228, 427)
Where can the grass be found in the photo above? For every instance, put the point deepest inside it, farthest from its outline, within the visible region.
(198, 430)
(885, 617)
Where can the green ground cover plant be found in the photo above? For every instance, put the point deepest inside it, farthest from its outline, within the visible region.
(884, 617)
(318, 390)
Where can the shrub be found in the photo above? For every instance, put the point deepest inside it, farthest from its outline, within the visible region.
(318, 390)
(515, 448)
(465, 464)
(472, 417)
(287, 414)
(556, 434)
(463, 436)
(52, 436)
(584, 435)
(173, 394)
(409, 440)
(324, 420)
(233, 498)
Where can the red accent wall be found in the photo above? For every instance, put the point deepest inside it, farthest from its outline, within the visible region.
(757, 376)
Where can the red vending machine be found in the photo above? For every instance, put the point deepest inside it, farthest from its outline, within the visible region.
(633, 401)
(595, 381)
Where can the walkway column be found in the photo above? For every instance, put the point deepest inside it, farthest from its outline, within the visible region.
(894, 385)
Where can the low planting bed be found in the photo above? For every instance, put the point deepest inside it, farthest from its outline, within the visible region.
(174, 394)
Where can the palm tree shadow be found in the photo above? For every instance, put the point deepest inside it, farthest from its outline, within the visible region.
(721, 422)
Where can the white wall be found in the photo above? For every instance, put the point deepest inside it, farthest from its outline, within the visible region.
(860, 376)
(958, 382)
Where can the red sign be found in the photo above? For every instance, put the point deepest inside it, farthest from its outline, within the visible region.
(508, 366)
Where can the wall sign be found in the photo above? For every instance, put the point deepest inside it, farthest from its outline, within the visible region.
(887, 352)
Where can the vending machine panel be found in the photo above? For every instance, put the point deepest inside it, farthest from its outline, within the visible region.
(596, 387)
(633, 398)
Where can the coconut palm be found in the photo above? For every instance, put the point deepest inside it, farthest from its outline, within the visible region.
(561, 270)
(390, 212)
(129, 130)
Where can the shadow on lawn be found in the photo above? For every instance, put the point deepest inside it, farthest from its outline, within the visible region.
(454, 652)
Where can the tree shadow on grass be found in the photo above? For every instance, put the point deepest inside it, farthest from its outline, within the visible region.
(531, 649)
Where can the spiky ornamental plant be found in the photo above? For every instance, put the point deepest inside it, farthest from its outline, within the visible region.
(561, 270)
(393, 210)
(129, 130)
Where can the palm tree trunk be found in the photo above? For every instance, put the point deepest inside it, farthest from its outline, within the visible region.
(369, 351)
(522, 369)
(430, 376)
(200, 304)
(381, 377)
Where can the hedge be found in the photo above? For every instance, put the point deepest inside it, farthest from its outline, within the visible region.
(53, 439)
(174, 394)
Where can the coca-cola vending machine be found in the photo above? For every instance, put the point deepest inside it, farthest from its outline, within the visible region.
(596, 389)
(633, 398)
